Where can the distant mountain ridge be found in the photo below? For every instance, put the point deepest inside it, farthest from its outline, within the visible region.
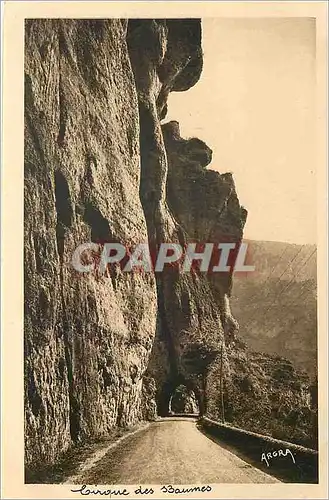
(276, 305)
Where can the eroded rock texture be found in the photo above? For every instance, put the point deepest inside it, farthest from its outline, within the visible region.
(99, 165)
(87, 340)
(165, 56)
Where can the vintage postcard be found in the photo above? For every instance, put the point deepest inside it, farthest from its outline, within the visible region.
(164, 250)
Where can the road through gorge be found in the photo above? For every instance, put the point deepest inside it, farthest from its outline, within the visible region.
(171, 451)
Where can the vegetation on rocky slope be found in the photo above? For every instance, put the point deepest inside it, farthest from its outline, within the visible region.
(266, 394)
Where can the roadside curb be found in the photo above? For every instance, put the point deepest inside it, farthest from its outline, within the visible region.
(300, 465)
(99, 454)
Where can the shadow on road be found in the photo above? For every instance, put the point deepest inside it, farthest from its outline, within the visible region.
(285, 472)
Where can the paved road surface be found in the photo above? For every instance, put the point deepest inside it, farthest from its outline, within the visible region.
(172, 451)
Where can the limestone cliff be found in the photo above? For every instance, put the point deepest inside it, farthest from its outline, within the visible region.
(166, 55)
(87, 341)
(100, 165)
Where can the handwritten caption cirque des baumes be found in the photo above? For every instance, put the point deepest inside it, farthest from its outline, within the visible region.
(169, 488)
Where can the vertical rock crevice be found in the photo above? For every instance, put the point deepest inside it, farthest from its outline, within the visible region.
(166, 56)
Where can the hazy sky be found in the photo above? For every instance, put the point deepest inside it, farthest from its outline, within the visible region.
(255, 107)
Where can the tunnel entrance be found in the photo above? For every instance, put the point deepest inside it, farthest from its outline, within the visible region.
(183, 401)
(180, 396)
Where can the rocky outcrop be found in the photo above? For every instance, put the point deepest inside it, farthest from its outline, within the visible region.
(87, 340)
(166, 55)
(251, 390)
(105, 351)
(90, 122)
(206, 204)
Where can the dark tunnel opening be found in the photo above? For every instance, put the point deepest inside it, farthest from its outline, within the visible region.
(179, 398)
(183, 401)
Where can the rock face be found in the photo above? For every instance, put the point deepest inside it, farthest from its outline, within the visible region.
(87, 340)
(166, 55)
(100, 166)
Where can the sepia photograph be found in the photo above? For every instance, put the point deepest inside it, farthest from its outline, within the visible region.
(170, 315)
